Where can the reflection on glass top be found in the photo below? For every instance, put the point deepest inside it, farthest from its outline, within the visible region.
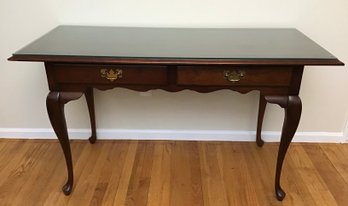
(195, 43)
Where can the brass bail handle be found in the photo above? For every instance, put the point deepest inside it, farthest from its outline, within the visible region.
(111, 74)
(233, 76)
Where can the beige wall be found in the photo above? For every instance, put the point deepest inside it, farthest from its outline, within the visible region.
(324, 90)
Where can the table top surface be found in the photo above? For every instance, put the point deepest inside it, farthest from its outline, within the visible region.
(252, 44)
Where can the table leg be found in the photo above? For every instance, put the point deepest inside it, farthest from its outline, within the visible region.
(55, 106)
(293, 107)
(90, 104)
(262, 107)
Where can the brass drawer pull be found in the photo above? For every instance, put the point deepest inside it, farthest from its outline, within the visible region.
(233, 76)
(111, 74)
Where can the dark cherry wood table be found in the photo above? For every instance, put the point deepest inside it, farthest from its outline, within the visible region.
(80, 58)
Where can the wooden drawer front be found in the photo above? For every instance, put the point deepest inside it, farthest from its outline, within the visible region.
(244, 76)
(110, 74)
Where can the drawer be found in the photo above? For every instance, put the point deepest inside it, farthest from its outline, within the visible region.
(244, 76)
(109, 74)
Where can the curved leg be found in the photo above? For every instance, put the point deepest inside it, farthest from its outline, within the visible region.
(262, 107)
(55, 106)
(90, 104)
(293, 107)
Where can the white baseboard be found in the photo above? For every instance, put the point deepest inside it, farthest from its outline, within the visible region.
(188, 135)
(345, 131)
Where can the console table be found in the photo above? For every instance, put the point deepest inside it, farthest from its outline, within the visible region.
(80, 58)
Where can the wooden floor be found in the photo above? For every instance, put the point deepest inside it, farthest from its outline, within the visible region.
(171, 173)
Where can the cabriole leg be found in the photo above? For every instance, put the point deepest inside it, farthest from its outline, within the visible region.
(262, 107)
(293, 107)
(55, 106)
(90, 104)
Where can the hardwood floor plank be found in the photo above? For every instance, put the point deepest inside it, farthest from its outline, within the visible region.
(102, 178)
(212, 182)
(18, 170)
(333, 180)
(289, 176)
(114, 168)
(59, 176)
(4, 147)
(294, 182)
(262, 178)
(312, 178)
(8, 165)
(338, 157)
(83, 184)
(121, 194)
(196, 172)
(139, 182)
(171, 173)
(24, 195)
(240, 189)
(7, 149)
(97, 187)
(183, 189)
(160, 184)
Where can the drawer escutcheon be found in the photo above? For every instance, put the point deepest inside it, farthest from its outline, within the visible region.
(233, 76)
(111, 74)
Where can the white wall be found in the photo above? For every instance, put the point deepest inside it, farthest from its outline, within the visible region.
(23, 85)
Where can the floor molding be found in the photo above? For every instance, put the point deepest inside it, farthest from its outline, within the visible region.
(189, 135)
(345, 132)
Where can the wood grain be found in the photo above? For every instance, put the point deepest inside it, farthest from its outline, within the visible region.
(214, 75)
(171, 173)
